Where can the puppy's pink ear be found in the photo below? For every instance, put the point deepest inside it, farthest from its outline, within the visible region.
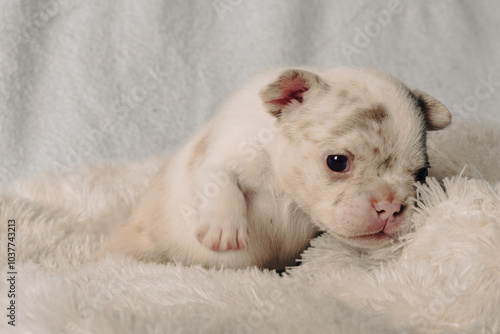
(437, 116)
(288, 91)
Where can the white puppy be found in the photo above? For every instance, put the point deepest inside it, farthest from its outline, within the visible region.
(292, 153)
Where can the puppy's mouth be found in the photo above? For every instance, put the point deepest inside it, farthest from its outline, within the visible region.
(372, 240)
(373, 237)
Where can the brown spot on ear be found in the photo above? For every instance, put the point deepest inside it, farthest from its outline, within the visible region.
(198, 153)
(376, 151)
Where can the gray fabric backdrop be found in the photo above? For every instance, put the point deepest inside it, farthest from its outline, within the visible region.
(126, 79)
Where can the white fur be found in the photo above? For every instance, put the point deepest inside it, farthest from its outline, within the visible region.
(252, 187)
(444, 278)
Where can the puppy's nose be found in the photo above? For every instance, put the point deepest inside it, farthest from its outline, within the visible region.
(386, 210)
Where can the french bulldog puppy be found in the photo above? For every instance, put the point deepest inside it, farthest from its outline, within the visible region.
(294, 152)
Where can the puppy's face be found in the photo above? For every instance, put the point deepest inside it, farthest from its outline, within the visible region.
(352, 145)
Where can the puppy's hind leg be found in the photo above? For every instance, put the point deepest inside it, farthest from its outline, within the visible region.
(132, 240)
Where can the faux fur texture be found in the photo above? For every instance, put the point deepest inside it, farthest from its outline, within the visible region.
(444, 277)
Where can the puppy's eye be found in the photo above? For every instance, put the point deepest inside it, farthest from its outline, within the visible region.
(338, 163)
(422, 174)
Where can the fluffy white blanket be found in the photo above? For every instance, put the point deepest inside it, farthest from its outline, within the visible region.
(443, 277)
(127, 79)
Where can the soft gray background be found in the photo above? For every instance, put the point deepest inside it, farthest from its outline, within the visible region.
(79, 79)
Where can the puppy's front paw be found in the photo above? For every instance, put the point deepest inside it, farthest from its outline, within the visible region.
(223, 236)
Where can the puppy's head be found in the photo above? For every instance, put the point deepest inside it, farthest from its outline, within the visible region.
(352, 146)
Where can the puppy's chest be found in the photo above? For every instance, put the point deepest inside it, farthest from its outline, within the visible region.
(278, 230)
(266, 201)
(274, 216)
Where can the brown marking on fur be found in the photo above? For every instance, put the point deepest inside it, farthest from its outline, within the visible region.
(290, 135)
(343, 94)
(199, 150)
(362, 120)
(305, 125)
(347, 99)
(378, 113)
(303, 129)
(306, 136)
(388, 162)
(376, 151)
(339, 198)
(355, 100)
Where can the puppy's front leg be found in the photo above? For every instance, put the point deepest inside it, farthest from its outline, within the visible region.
(222, 220)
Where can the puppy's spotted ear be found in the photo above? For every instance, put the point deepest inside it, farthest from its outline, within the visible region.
(289, 90)
(437, 116)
